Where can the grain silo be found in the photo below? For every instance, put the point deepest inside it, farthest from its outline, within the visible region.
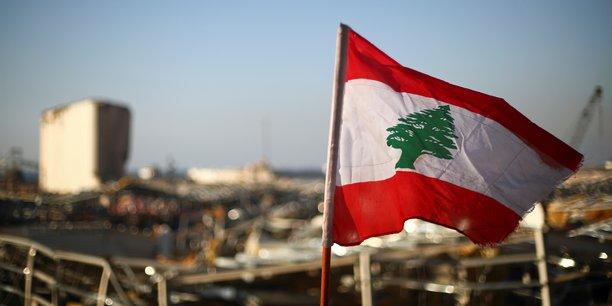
(83, 145)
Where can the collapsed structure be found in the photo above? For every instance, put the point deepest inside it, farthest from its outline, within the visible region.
(180, 242)
(83, 145)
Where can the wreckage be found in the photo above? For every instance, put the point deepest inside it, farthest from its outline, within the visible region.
(174, 241)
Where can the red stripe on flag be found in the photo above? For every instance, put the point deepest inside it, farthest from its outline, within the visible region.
(368, 209)
(366, 61)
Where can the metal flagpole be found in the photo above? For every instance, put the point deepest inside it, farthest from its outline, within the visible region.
(332, 159)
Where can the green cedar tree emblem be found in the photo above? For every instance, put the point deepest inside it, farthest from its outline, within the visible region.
(431, 131)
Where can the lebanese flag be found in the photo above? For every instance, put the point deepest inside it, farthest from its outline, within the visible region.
(413, 146)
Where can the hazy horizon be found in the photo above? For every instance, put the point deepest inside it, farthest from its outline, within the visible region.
(203, 80)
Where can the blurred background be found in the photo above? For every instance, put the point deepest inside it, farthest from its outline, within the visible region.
(172, 153)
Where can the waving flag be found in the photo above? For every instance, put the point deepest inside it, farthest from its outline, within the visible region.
(413, 146)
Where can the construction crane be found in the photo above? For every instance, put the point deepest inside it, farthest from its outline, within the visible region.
(586, 116)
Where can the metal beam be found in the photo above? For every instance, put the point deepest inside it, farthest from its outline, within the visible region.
(365, 275)
(203, 278)
(499, 260)
(28, 271)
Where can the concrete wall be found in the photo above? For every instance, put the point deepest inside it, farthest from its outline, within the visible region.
(77, 151)
(113, 141)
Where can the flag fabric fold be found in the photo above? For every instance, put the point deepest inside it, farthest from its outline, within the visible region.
(413, 146)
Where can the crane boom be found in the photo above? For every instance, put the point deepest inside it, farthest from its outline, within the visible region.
(586, 116)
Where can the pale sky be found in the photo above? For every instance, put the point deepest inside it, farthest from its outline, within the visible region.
(201, 77)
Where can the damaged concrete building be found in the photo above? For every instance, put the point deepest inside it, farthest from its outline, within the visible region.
(83, 145)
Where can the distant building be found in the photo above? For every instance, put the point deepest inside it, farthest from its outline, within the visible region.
(82, 145)
(256, 173)
(148, 172)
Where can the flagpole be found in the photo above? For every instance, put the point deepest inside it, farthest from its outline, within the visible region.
(332, 159)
